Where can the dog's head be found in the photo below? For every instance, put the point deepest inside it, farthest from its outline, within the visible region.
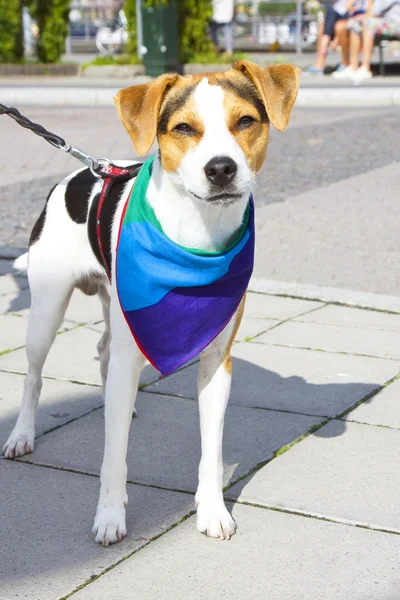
(212, 129)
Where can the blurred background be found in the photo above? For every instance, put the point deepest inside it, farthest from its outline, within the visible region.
(161, 34)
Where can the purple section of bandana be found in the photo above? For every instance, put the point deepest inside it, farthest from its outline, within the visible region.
(186, 320)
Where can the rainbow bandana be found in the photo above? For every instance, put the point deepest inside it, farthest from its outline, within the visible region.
(176, 300)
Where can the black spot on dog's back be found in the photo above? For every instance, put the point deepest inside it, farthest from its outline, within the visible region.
(77, 195)
(38, 226)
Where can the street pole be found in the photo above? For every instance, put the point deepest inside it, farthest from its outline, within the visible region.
(299, 26)
(139, 29)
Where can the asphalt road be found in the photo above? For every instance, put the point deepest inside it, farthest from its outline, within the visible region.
(328, 210)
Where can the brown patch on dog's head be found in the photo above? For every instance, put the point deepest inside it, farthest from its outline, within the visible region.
(277, 87)
(139, 107)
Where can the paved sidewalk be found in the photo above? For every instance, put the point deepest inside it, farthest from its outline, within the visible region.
(311, 451)
(87, 92)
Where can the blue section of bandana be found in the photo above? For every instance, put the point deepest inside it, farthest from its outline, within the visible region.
(150, 265)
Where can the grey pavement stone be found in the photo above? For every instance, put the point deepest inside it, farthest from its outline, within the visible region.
(81, 309)
(300, 381)
(274, 307)
(335, 338)
(252, 326)
(382, 409)
(353, 317)
(12, 284)
(73, 358)
(60, 402)
(6, 267)
(344, 471)
(46, 519)
(13, 331)
(328, 294)
(273, 555)
(338, 226)
(164, 446)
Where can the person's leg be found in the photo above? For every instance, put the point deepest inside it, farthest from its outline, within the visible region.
(330, 19)
(322, 52)
(368, 37)
(343, 39)
(214, 33)
(228, 37)
(355, 27)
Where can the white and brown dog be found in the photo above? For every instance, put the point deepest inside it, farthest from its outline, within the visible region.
(219, 121)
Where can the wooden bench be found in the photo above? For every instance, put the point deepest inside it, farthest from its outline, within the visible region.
(379, 39)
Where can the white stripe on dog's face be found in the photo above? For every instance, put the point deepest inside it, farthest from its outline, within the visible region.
(213, 133)
(217, 141)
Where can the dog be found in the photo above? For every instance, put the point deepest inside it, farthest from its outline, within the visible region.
(212, 132)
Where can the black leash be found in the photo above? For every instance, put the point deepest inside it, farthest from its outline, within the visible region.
(96, 165)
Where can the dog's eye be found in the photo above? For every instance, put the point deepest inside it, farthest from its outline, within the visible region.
(184, 128)
(245, 122)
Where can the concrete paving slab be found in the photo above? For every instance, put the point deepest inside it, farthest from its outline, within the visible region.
(273, 555)
(60, 402)
(344, 471)
(334, 338)
(164, 443)
(13, 331)
(81, 309)
(302, 381)
(252, 326)
(47, 548)
(11, 284)
(6, 266)
(344, 198)
(382, 409)
(16, 303)
(73, 358)
(353, 317)
(273, 307)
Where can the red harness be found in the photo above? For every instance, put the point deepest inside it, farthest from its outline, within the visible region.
(111, 174)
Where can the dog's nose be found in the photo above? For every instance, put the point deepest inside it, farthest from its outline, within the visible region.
(220, 170)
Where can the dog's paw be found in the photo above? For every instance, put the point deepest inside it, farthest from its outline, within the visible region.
(109, 525)
(214, 520)
(18, 444)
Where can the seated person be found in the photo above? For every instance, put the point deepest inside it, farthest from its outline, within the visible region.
(336, 25)
(382, 18)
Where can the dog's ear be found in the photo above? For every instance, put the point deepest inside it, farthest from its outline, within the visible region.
(138, 108)
(277, 86)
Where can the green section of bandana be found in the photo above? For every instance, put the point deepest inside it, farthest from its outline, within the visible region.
(139, 210)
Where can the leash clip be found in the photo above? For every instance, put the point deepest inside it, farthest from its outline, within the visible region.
(87, 160)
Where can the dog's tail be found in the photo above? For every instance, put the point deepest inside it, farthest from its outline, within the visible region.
(21, 263)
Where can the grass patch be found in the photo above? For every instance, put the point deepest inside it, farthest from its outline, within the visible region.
(119, 59)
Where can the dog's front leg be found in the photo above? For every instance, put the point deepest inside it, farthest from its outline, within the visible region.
(126, 363)
(214, 384)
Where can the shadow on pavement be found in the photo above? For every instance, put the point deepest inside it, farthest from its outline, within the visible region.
(47, 514)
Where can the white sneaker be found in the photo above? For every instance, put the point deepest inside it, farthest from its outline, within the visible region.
(346, 73)
(361, 74)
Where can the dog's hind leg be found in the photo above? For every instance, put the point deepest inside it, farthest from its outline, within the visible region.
(103, 347)
(51, 290)
(214, 383)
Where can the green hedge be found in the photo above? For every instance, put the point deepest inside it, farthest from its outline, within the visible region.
(194, 40)
(11, 37)
(53, 21)
(130, 13)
